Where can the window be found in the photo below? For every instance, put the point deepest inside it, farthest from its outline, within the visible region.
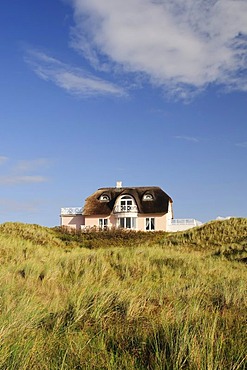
(147, 197)
(104, 198)
(150, 224)
(127, 222)
(126, 203)
(103, 223)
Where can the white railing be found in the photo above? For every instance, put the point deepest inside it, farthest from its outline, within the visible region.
(181, 224)
(71, 211)
(183, 221)
(125, 209)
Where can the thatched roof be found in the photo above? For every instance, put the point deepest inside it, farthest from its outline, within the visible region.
(94, 206)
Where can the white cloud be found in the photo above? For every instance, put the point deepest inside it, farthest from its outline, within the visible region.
(32, 164)
(243, 144)
(180, 45)
(187, 138)
(73, 80)
(23, 171)
(21, 179)
(10, 205)
(3, 160)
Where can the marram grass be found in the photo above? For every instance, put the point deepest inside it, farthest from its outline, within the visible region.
(163, 301)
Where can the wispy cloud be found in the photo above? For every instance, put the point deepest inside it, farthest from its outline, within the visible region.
(187, 138)
(32, 164)
(9, 205)
(23, 171)
(74, 80)
(182, 46)
(18, 179)
(242, 145)
(3, 160)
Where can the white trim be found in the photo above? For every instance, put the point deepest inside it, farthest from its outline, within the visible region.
(128, 206)
(103, 223)
(133, 222)
(151, 222)
(71, 211)
(104, 198)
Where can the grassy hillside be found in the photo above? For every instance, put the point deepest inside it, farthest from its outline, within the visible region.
(37, 235)
(123, 300)
(215, 234)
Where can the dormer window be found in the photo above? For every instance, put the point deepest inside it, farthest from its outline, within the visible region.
(147, 197)
(104, 198)
(125, 204)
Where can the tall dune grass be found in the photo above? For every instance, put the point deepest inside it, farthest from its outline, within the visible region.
(151, 305)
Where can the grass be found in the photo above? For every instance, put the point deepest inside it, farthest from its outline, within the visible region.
(123, 300)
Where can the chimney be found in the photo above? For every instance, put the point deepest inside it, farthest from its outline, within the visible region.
(119, 184)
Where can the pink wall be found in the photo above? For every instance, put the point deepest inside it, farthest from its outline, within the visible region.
(92, 221)
(73, 221)
(160, 222)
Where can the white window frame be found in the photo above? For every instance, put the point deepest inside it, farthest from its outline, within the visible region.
(104, 198)
(103, 223)
(150, 223)
(126, 203)
(125, 223)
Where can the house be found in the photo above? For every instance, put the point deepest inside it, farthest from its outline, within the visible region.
(146, 208)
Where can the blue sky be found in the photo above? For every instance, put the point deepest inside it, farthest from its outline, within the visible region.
(149, 92)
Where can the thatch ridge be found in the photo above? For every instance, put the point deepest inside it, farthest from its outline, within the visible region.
(94, 206)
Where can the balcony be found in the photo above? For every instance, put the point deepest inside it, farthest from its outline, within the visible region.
(185, 221)
(125, 209)
(181, 224)
(71, 211)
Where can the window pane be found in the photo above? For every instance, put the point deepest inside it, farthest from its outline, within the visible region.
(152, 223)
(100, 222)
(105, 222)
(133, 223)
(147, 223)
(128, 222)
(121, 222)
